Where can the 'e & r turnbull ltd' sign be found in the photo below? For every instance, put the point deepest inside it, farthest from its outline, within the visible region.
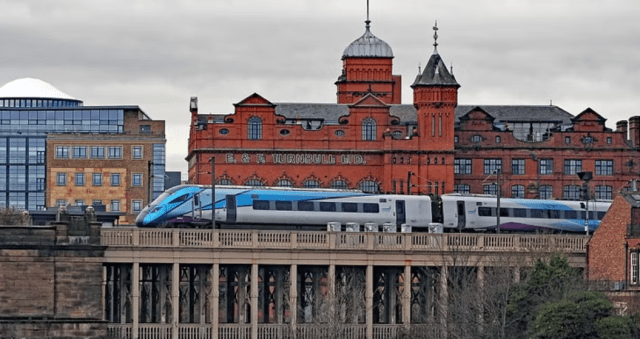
(296, 159)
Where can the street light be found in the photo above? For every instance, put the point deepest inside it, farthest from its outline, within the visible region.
(213, 192)
(586, 176)
(498, 171)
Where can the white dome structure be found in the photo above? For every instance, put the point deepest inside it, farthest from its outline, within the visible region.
(29, 92)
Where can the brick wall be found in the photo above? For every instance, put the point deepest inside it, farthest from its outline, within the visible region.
(606, 254)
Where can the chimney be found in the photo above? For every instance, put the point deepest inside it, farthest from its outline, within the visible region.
(634, 131)
(621, 126)
(193, 105)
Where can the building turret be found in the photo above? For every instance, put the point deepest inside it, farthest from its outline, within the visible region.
(435, 97)
(367, 68)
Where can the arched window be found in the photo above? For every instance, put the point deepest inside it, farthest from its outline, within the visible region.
(339, 184)
(284, 183)
(253, 182)
(368, 129)
(254, 129)
(311, 184)
(517, 191)
(224, 182)
(369, 186)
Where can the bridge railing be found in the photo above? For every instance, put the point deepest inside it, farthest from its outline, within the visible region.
(253, 239)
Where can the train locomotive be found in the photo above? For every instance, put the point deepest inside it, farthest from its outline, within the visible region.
(285, 208)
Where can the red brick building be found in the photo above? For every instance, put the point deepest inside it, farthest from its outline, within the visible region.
(614, 253)
(369, 140)
(361, 142)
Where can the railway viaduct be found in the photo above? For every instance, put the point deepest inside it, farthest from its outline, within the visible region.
(64, 280)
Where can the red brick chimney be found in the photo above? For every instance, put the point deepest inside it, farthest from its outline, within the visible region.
(621, 126)
(634, 130)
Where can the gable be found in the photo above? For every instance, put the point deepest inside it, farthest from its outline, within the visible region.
(254, 99)
(589, 115)
(477, 114)
(369, 100)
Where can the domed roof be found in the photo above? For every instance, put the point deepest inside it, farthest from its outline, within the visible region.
(32, 88)
(368, 46)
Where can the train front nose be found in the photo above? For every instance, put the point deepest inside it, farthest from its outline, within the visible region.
(140, 218)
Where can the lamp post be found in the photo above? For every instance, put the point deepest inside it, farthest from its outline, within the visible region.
(213, 192)
(149, 185)
(497, 171)
(586, 176)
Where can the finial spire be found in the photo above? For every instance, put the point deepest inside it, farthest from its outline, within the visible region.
(419, 69)
(368, 21)
(435, 37)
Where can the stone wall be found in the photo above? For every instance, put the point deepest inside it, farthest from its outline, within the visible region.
(51, 282)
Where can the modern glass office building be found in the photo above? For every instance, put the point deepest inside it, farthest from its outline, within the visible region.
(32, 111)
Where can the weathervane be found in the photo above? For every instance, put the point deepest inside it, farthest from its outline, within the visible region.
(368, 21)
(435, 34)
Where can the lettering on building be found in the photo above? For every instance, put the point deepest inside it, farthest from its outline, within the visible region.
(296, 159)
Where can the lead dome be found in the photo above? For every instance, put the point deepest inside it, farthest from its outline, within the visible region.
(368, 46)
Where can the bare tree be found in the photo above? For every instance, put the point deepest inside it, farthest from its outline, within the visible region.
(11, 217)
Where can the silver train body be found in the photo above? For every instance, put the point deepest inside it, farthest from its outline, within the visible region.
(315, 209)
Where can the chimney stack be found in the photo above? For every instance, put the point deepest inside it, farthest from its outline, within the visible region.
(621, 126)
(634, 131)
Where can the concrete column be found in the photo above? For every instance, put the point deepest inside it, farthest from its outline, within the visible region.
(135, 295)
(104, 290)
(332, 280)
(369, 301)
(516, 274)
(215, 300)
(481, 296)
(254, 300)
(444, 298)
(175, 298)
(293, 297)
(406, 297)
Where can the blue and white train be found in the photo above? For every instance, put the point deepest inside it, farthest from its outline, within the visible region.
(313, 209)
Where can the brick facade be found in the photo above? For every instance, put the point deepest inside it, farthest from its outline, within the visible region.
(434, 143)
(127, 191)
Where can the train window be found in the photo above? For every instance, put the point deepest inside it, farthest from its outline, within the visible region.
(305, 206)
(262, 205)
(581, 215)
(181, 198)
(537, 214)
(328, 206)
(349, 207)
(554, 214)
(570, 214)
(504, 212)
(592, 215)
(601, 215)
(370, 208)
(284, 205)
(485, 211)
(519, 213)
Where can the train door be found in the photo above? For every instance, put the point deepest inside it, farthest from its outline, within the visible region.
(231, 209)
(197, 208)
(461, 215)
(401, 215)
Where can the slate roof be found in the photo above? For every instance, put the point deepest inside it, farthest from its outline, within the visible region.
(435, 73)
(330, 113)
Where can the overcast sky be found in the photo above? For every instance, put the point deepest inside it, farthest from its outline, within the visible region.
(157, 54)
